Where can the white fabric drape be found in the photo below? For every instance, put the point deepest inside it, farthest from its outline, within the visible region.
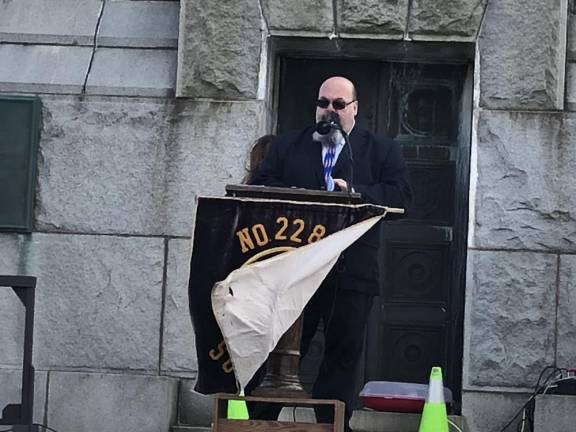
(255, 305)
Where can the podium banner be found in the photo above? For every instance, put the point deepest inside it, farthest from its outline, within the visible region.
(232, 233)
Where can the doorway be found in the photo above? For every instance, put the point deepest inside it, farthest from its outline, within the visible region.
(417, 320)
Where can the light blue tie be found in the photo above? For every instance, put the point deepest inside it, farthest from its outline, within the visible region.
(329, 160)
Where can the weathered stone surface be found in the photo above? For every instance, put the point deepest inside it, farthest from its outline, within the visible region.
(209, 150)
(455, 20)
(98, 402)
(63, 22)
(101, 165)
(195, 408)
(43, 69)
(133, 72)
(526, 196)
(489, 412)
(11, 308)
(11, 317)
(378, 18)
(511, 309)
(98, 299)
(135, 166)
(178, 351)
(149, 24)
(219, 64)
(11, 391)
(522, 54)
(554, 413)
(299, 15)
(567, 312)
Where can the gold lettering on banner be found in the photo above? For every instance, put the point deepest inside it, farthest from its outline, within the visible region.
(245, 240)
(227, 366)
(294, 237)
(217, 354)
(317, 233)
(260, 235)
(220, 354)
(257, 236)
(280, 234)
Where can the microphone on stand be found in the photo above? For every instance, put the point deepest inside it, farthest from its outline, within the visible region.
(324, 127)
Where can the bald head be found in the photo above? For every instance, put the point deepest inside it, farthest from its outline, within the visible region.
(340, 82)
(342, 89)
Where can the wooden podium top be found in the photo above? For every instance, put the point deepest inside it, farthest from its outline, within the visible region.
(293, 194)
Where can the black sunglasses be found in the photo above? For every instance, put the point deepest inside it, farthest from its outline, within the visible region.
(337, 104)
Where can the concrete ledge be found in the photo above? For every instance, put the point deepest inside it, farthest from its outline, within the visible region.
(110, 402)
(43, 69)
(554, 413)
(62, 22)
(374, 421)
(142, 24)
(11, 388)
(190, 429)
(133, 72)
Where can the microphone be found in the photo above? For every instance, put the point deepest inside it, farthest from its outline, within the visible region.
(324, 127)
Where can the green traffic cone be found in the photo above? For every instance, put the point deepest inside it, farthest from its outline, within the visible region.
(434, 417)
(237, 410)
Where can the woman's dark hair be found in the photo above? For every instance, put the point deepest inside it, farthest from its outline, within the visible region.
(257, 154)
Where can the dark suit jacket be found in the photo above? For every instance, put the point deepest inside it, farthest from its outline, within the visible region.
(379, 174)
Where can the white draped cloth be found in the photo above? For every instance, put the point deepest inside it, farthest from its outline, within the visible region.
(255, 305)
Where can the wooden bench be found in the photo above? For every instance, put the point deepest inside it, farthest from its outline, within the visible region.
(222, 424)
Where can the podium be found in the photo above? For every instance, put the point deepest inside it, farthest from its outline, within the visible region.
(282, 378)
(251, 224)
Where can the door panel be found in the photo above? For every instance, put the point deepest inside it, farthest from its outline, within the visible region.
(301, 78)
(416, 320)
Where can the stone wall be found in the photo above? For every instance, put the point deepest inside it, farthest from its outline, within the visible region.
(520, 287)
(120, 163)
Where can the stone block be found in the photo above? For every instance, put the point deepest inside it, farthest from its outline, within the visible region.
(178, 351)
(489, 412)
(11, 308)
(11, 391)
(133, 72)
(195, 409)
(554, 413)
(11, 324)
(143, 24)
(526, 196)
(43, 68)
(567, 312)
(132, 166)
(454, 20)
(385, 19)
(510, 331)
(218, 64)
(316, 16)
(64, 22)
(98, 298)
(101, 165)
(208, 150)
(522, 55)
(104, 402)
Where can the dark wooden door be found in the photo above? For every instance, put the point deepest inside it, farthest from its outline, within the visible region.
(416, 322)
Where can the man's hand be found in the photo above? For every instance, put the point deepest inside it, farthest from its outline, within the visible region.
(342, 185)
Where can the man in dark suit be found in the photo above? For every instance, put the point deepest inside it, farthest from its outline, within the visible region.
(374, 167)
